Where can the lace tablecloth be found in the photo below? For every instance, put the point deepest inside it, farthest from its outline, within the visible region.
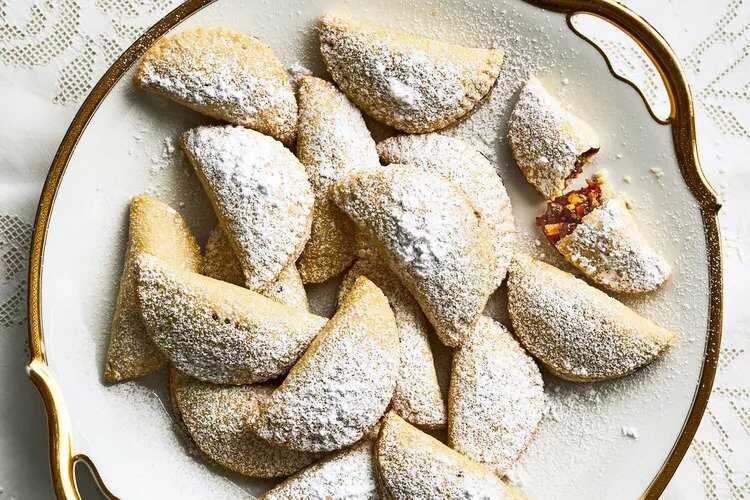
(53, 51)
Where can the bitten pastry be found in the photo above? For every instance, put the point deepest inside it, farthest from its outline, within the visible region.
(219, 332)
(407, 81)
(430, 237)
(219, 262)
(470, 171)
(260, 193)
(332, 142)
(154, 228)
(347, 474)
(594, 230)
(496, 398)
(417, 397)
(577, 331)
(550, 144)
(223, 74)
(342, 385)
(412, 464)
(214, 417)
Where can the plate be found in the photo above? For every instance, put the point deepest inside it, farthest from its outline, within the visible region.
(619, 439)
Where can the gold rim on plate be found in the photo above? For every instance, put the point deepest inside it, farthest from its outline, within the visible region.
(681, 118)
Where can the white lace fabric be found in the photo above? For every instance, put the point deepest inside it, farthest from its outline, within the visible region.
(53, 51)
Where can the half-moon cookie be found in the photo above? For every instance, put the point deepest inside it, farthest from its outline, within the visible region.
(595, 231)
(343, 383)
(154, 228)
(219, 332)
(577, 331)
(550, 144)
(412, 464)
(496, 398)
(260, 193)
(223, 74)
(431, 237)
(470, 171)
(219, 262)
(417, 397)
(215, 419)
(332, 142)
(407, 81)
(347, 474)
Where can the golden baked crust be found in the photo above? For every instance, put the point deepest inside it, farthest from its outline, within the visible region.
(219, 332)
(223, 74)
(214, 418)
(412, 464)
(470, 171)
(431, 237)
(332, 142)
(347, 474)
(343, 383)
(407, 81)
(260, 193)
(157, 229)
(417, 397)
(550, 144)
(219, 262)
(577, 331)
(496, 398)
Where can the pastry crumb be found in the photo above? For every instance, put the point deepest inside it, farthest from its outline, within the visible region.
(297, 69)
(657, 172)
(629, 432)
(628, 179)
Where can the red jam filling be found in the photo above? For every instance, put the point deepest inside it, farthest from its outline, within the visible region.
(565, 212)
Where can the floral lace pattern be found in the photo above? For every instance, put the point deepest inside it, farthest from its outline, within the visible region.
(53, 31)
(69, 44)
(15, 237)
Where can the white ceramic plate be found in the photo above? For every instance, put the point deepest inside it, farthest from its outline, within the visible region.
(581, 451)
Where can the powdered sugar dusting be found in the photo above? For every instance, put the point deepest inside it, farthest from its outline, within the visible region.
(577, 331)
(417, 397)
(406, 81)
(548, 142)
(496, 398)
(407, 95)
(342, 385)
(412, 464)
(347, 474)
(332, 142)
(219, 262)
(226, 75)
(214, 418)
(157, 229)
(463, 165)
(260, 193)
(609, 248)
(218, 332)
(432, 240)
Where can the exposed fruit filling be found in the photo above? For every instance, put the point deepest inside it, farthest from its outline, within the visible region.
(580, 162)
(565, 212)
